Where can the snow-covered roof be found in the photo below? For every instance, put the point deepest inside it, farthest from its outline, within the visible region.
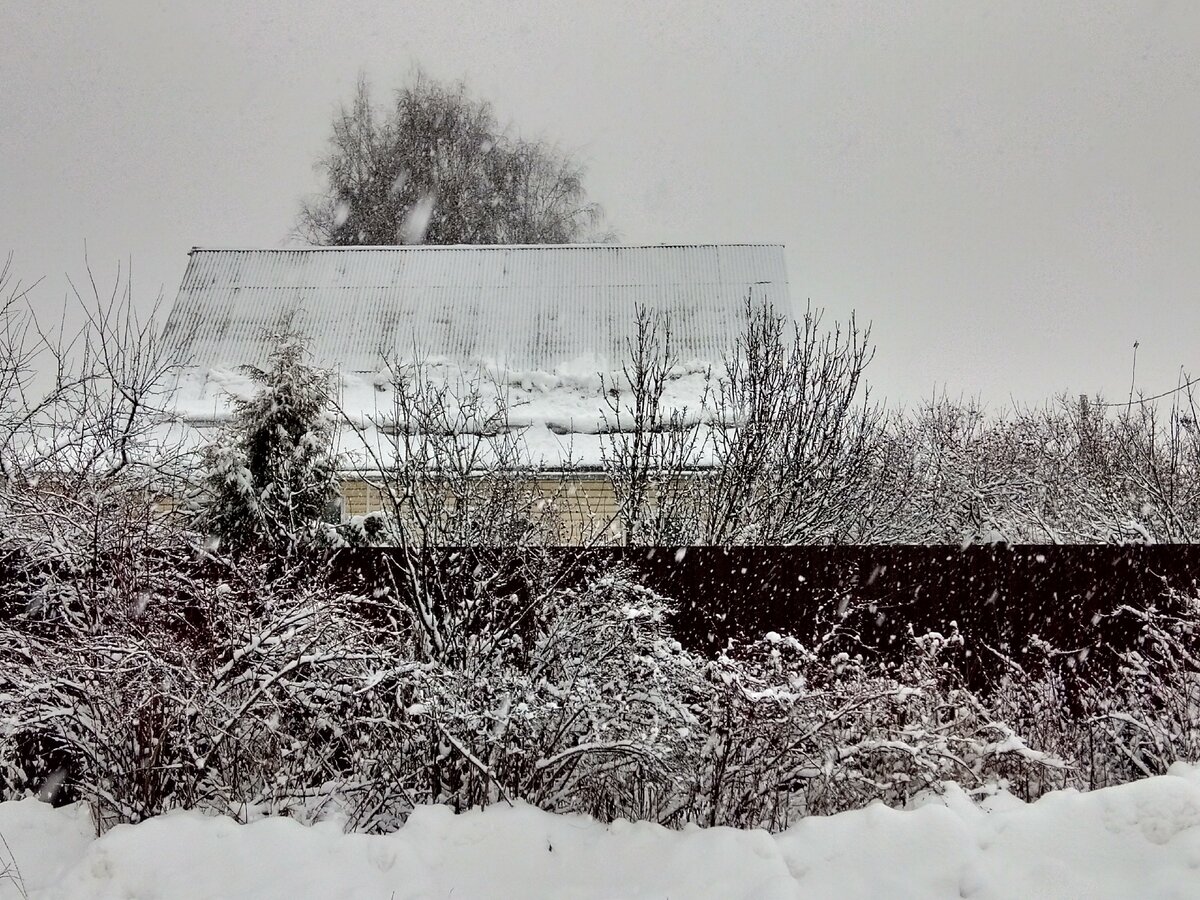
(528, 308)
(541, 330)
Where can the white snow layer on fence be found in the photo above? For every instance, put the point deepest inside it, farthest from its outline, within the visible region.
(1139, 840)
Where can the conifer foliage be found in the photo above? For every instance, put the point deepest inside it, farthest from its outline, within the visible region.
(270, 479)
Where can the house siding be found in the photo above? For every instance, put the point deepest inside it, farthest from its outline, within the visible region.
(582, 508)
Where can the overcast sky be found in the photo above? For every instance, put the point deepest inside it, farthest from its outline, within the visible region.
(1009, 191)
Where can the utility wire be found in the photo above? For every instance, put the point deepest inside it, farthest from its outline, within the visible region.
(1175, 390)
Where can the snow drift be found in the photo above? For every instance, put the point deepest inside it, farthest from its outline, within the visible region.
(1137, 840)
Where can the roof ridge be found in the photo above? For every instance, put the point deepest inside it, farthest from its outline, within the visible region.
(409, 247)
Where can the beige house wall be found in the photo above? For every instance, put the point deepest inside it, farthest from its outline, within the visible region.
(583, 506)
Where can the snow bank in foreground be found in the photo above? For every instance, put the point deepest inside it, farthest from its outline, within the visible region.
(1140, 840)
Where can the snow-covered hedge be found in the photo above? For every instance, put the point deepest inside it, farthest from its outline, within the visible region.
(247, 688)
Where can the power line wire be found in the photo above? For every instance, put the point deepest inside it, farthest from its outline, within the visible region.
(1175, 390)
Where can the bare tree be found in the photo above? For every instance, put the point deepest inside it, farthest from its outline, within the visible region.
(448, 471)
(798, 436)
(438, 169)
(91, 460)
(651, 452)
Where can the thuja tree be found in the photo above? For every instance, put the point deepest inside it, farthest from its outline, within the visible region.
(270, 479)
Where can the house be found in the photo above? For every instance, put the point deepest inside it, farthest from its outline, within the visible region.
(548, 327)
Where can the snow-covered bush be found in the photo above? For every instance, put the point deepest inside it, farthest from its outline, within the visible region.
(249, 692)
(1125, 715)
(236, 688)
(1073, 471)
(87, 535)
(832, 723)
(818, 728)
(239, 692)
(580, 701)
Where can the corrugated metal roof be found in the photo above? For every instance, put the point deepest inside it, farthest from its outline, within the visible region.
(534, 307)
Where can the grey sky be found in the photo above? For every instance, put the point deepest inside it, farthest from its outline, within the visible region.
(1009, 191)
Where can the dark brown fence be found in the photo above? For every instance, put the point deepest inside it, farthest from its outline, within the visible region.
(1001, 595)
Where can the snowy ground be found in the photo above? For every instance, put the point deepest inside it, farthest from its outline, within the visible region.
(1137, 841)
